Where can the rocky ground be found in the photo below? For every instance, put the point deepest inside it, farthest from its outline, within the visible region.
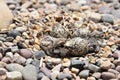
(61, 40)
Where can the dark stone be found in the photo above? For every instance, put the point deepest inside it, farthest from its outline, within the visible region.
(14, 33)
(49, 65)
(39, 54)
(20, 45)
(77, 64)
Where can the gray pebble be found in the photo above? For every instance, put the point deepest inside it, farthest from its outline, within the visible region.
(84, 73)
(93, 67)
(107, 18)
(107, 75)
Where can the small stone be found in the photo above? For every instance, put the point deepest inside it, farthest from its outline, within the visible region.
(3, 74)
(118, 68)
(18, 59)
(5, 21)
(57, 67)
(14, 33)
(26, 5)
(116, 13)
(105, 10)
(1, 56)
(113, 71)
(108, 1)
(9, 54)
(106, 64)
(6, 59)
(77, 64)
(29, 61)
(54, 74)
(21, 29)
(107, 18)
(91, 78)
(74, 70)
(40, 75)
(93, 67)
(14, 49)
(2, 64)
(14, 67)
(39, 54)
(46, 71)
(29, 72)
(15, 75)
(107, 75)
(61, 76)
(97, 75)
(55, 60)
(84, 73)
(25, 53)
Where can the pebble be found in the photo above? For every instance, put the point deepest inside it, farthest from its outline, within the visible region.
(14, 67)
(118, 68)
(21, 29)
(6, 59)
(106, 64)
(84, 73)
(14, 49)
(116, 62)
(107, 18)
(40, 75)
(108, 1)
(91, 78)
(77, 64)
(93, 67)
(29, 72)
(5, 21)
(9, 54)
(25, 53)
(39, 54)
(113, 71)
(46, 71)
(107, 75)
(75, 70)
(61, 76)
(14, 75)
(97, 75)
(105, 10)
(14, 33)
(3, 74)
(18, 59)
(2, 64)
(116, 13)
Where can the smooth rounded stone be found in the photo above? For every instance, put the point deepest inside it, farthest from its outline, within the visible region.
(46, 71)
(45, 78)
(15, 75)
(107, 75)
(107, 18)
(25, 53)
(36, 63)
(21, 29)
(116, 13)
(97, 75)
(119, 77)
(118, 68)
(9, 54)
(2, 64)
(29, 72)
(74, 70)
(94, 16)
(77, 64)
(2, 39)
(116, 62)
(3, 74)
(6, 59)
(14, 49)
(14, 33)
(91, 78)
(93, 67)
(18, 59)
(5, 21)
(14, 67)
(39, 54)
(106, 64)
(54, 60)
(61, 76)
(84, 73)
(105, 10)
(113, 71)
